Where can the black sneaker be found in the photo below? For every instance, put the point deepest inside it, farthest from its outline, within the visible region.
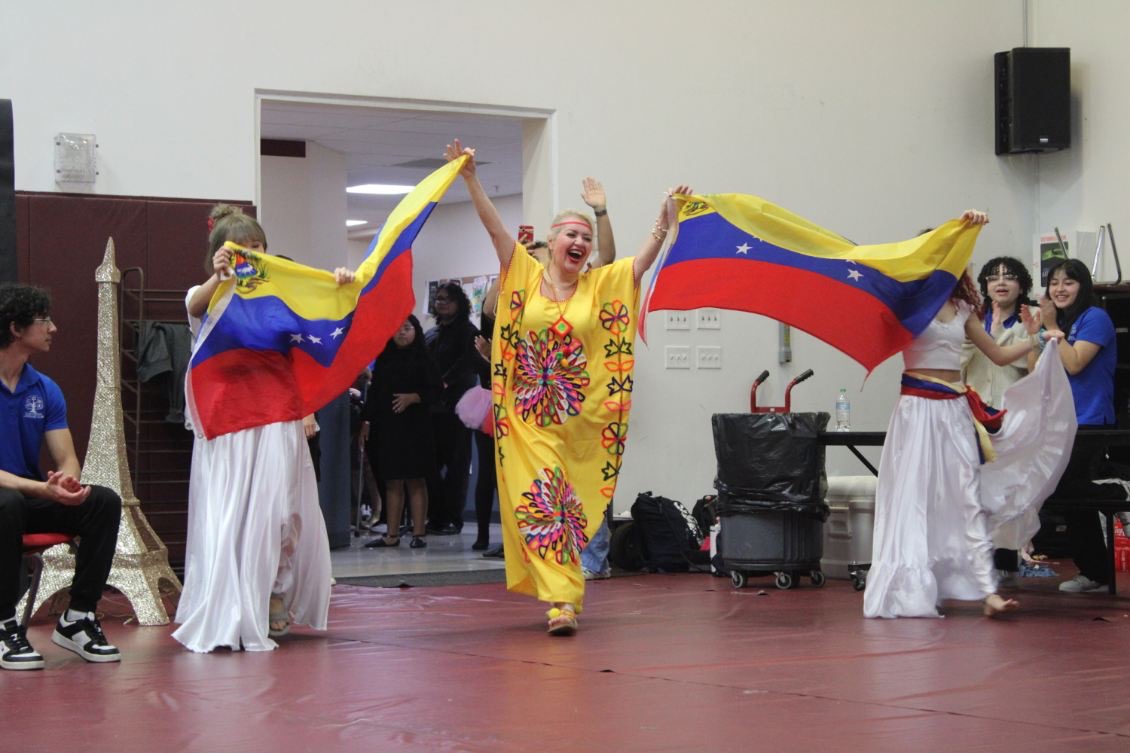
(15, 651)
(84, 637)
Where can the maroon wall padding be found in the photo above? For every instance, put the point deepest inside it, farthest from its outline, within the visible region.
(60, 241)
(22, 248)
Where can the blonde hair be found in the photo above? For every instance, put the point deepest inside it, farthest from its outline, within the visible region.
(565, 214)
(229, 223)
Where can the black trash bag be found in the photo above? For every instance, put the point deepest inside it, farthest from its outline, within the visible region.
(770, 457)
(727, 506)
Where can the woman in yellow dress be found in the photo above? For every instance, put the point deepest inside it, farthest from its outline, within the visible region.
(561, 373)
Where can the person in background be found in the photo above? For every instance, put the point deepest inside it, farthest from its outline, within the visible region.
(1005, 286)
(1086, 346)
(33, 414)
(451, 345)
(398, 430)
(562, 374)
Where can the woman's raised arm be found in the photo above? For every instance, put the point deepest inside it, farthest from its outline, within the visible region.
(503, 242)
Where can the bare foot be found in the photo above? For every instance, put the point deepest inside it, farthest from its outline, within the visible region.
(995, 605)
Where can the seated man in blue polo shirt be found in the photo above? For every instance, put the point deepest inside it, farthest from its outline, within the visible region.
(33, 414)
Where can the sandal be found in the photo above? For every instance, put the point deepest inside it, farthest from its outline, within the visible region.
(562, 621)
(996, 605)
(382, 543)
(278, 619)
(418, 542)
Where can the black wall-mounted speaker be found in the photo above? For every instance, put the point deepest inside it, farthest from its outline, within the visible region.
(1033, 99)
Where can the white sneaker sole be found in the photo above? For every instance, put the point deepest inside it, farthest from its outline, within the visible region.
(23, 665)
(65, 642)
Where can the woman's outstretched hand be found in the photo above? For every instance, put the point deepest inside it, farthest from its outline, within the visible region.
(671, 205)
(455, 150)
(344, 275)
(975, 217)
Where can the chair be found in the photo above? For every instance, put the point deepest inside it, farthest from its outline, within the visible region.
(34, 545)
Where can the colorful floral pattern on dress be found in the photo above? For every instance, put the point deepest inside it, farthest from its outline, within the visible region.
(552, 521)
(614, 317)
(549, 376)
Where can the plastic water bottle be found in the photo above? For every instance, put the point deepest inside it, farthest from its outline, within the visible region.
(843, 411)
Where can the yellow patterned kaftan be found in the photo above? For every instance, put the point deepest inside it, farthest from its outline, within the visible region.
(562, 387)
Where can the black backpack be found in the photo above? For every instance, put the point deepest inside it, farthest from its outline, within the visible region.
(669, 535)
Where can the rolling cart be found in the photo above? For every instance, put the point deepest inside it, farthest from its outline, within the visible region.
(771, 485)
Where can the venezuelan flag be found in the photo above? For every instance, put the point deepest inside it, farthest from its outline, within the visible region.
(281, 340)
(740, 252)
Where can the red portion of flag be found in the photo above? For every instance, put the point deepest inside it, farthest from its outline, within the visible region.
(823, 307)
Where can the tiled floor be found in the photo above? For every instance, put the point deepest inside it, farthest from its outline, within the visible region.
(444, 554)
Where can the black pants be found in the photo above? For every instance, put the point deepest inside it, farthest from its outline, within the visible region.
(447, 493)
(1084, 531)
(95, 521)
(484, 484)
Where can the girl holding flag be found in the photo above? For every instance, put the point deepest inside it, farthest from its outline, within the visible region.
(257, 552)
(938, 510)
(562, 358)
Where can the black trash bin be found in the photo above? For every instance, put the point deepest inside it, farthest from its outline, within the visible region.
(771, 484)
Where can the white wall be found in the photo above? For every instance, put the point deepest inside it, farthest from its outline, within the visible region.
(303, 207)
(873, 118)
(1086, 185)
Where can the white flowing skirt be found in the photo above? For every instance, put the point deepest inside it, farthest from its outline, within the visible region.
(254, 528)
(939, 513)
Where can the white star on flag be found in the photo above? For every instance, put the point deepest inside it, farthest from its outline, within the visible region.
(315, 340)
(337, 333)
(854, 274)
(296, 338)
(744, 248)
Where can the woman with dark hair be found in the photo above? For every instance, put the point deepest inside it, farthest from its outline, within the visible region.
(398, 431)
(1088, 355)
(1005, 286)
(451, 344)
(937, 510)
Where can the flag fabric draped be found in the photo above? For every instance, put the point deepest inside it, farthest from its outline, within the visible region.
(281, 340)
(740, 252)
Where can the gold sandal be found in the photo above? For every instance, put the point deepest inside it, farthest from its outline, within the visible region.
(278, 615)
(562, 620)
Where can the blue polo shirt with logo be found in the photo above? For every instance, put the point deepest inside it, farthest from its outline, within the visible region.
(33, 409)
(1093, 387)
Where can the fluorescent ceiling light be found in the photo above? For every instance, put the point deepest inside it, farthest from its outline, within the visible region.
(355, 223)
(379, 189)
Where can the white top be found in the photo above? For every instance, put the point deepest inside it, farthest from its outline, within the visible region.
(939, 345)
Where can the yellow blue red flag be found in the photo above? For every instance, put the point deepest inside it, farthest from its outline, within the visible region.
(281, 340)
(740, 252)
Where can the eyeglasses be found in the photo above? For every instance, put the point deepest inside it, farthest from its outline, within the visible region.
(43, 320)
(1004, 277)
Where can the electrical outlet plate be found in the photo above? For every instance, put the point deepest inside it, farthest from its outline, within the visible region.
(678, 356)
(678, 320)
(708, 356)
(709, 319)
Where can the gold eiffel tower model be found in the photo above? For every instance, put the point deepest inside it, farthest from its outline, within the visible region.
(141, 561)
